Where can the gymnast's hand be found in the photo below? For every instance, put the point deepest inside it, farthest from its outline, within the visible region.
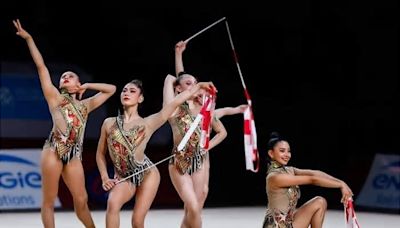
(82, 89)
(20, 31)
(180, 46)
(108, 184)
(207, 86)
(346, 193)
(242, 108)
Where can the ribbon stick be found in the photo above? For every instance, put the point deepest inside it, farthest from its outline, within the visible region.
(141, 171)
(189, 132)
(350, 215)
(250, 134)
(203, 30)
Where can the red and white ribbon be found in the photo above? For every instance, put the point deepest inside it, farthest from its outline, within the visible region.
(207, 112)
(350, 215)
(250, 140)
(205, 116)
(250, 134)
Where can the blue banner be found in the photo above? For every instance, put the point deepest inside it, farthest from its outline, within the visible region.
(382, 187)
(21, 97)
(20, 179)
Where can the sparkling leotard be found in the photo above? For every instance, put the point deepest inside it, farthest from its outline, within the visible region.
(191, 158)
(281, 202)
(68, 144)
(122, 145)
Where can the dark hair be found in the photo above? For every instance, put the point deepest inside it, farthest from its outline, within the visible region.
(180, 76)
(182, 73)
(274, 139)
(138, 83)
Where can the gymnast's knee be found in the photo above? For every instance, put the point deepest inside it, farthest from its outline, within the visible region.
(320, 202)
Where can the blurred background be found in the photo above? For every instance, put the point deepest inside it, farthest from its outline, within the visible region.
(322, 74)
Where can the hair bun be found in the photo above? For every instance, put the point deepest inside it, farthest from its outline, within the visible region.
(274, 138)
(274, 135)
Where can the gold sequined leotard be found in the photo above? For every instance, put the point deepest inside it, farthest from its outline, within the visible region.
(121, 146)
(68, 144)
(281, 202)
(191, 158)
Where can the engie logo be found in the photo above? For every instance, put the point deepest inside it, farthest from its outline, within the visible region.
(389, 177)
(382, 187)
(22, 178)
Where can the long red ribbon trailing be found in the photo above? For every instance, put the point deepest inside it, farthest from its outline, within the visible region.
(250, 133)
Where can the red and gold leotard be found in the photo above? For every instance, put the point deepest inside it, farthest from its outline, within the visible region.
(191, 158)
(281, 202)
(68, 144)
(122, 145)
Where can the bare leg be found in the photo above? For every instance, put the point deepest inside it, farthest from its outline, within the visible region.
(200, 182)
(184, 186)
(119, 195)
(200, 185)
(51, 171)
(74, 178)
(312, 212)
(145, 195)
(185, 222)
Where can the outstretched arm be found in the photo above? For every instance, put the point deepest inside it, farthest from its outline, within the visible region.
(156, 120)
(346, 191)
(105, 92)
(107, 183)
(179, 49)
(310, 172)
(49, 90)
(221, 112)
(313, 177)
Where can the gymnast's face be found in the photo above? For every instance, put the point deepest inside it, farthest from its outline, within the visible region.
(131, 95)
(70, 81)
(186, 82)
(281, 152)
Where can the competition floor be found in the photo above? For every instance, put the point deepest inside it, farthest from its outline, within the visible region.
(232, 217)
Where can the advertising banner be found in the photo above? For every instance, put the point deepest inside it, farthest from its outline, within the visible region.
(382, 187)
(20, 179)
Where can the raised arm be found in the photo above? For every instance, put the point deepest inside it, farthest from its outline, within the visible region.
(49, 90)
(179, 49)
(105, 92)
(107, 183)
(156, 120)
(168, 90)
(221, 112)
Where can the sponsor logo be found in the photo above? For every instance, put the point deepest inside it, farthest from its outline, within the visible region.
(382, 187)
(22, 179)
(389, 177)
